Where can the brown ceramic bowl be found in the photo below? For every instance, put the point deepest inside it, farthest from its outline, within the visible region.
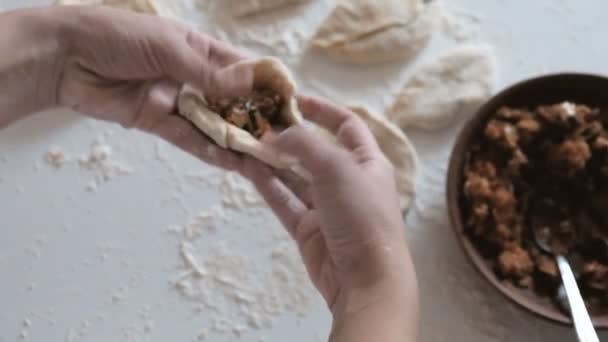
(581, 88)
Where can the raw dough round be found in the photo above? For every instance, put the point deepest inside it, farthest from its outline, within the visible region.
(445, 89)
(398, 149)
(142, 6)
(372, 31)
(243, 8)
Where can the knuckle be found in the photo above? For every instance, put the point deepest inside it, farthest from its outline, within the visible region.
(142, 117)
(350, 125)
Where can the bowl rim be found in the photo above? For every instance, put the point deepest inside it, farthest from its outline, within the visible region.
(454, 174)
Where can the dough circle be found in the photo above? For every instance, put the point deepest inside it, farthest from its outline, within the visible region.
(376, 31)
(398, 149)
(141, 6)
(244, 8)
(445, 89)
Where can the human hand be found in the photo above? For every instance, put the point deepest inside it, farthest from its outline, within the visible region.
(347, 224)
(127, 68)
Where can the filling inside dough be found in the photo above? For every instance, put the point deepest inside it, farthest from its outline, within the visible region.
(257, 113)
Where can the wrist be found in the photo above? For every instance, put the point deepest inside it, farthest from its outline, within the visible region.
(386, 310)
(31, 66)
(392, 316)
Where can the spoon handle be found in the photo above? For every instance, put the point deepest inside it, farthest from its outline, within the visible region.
(580, 316)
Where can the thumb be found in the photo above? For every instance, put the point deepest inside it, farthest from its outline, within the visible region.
(233, 80)
(212, 68)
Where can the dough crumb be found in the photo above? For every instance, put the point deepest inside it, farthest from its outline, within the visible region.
(56, 157)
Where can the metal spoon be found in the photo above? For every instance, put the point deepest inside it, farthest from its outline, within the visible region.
(582, 321)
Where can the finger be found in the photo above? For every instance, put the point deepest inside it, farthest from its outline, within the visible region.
(299, 186)
(351, 131)
(288, 208)
(223, 77)
(155, 101)
(205, 63)
(218, 53)
(155, 114)
(184, 135)
(233, 80)
(313, 152)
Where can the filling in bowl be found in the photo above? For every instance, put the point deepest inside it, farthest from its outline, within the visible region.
(546, 169)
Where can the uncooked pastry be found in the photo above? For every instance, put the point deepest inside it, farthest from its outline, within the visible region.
(372, 31)
(449, 87)
(142, 6)
(398, 149)
(268, 73)
(242, 8)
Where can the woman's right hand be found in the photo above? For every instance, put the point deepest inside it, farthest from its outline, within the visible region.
(347, 224)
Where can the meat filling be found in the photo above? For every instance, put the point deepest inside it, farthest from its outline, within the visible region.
(256, 113)
(545, 167)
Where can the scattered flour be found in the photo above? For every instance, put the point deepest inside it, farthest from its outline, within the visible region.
(98, 160)
(286, 34)
(241, 296)
(238, 194)
(224, 280)
(210, 178)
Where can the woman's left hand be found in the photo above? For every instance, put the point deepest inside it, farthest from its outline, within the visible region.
(125, 67)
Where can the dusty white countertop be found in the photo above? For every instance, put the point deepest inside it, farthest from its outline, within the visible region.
(83, 259)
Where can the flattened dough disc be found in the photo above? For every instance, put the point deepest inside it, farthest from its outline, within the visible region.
(142, 6)
(375, 31)
(446, 88)
(398, 149)
(243, 8)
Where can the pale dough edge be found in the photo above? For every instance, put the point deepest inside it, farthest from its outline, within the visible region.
(399, 150)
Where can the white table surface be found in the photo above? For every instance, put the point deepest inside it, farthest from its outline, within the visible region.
(96, 266)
